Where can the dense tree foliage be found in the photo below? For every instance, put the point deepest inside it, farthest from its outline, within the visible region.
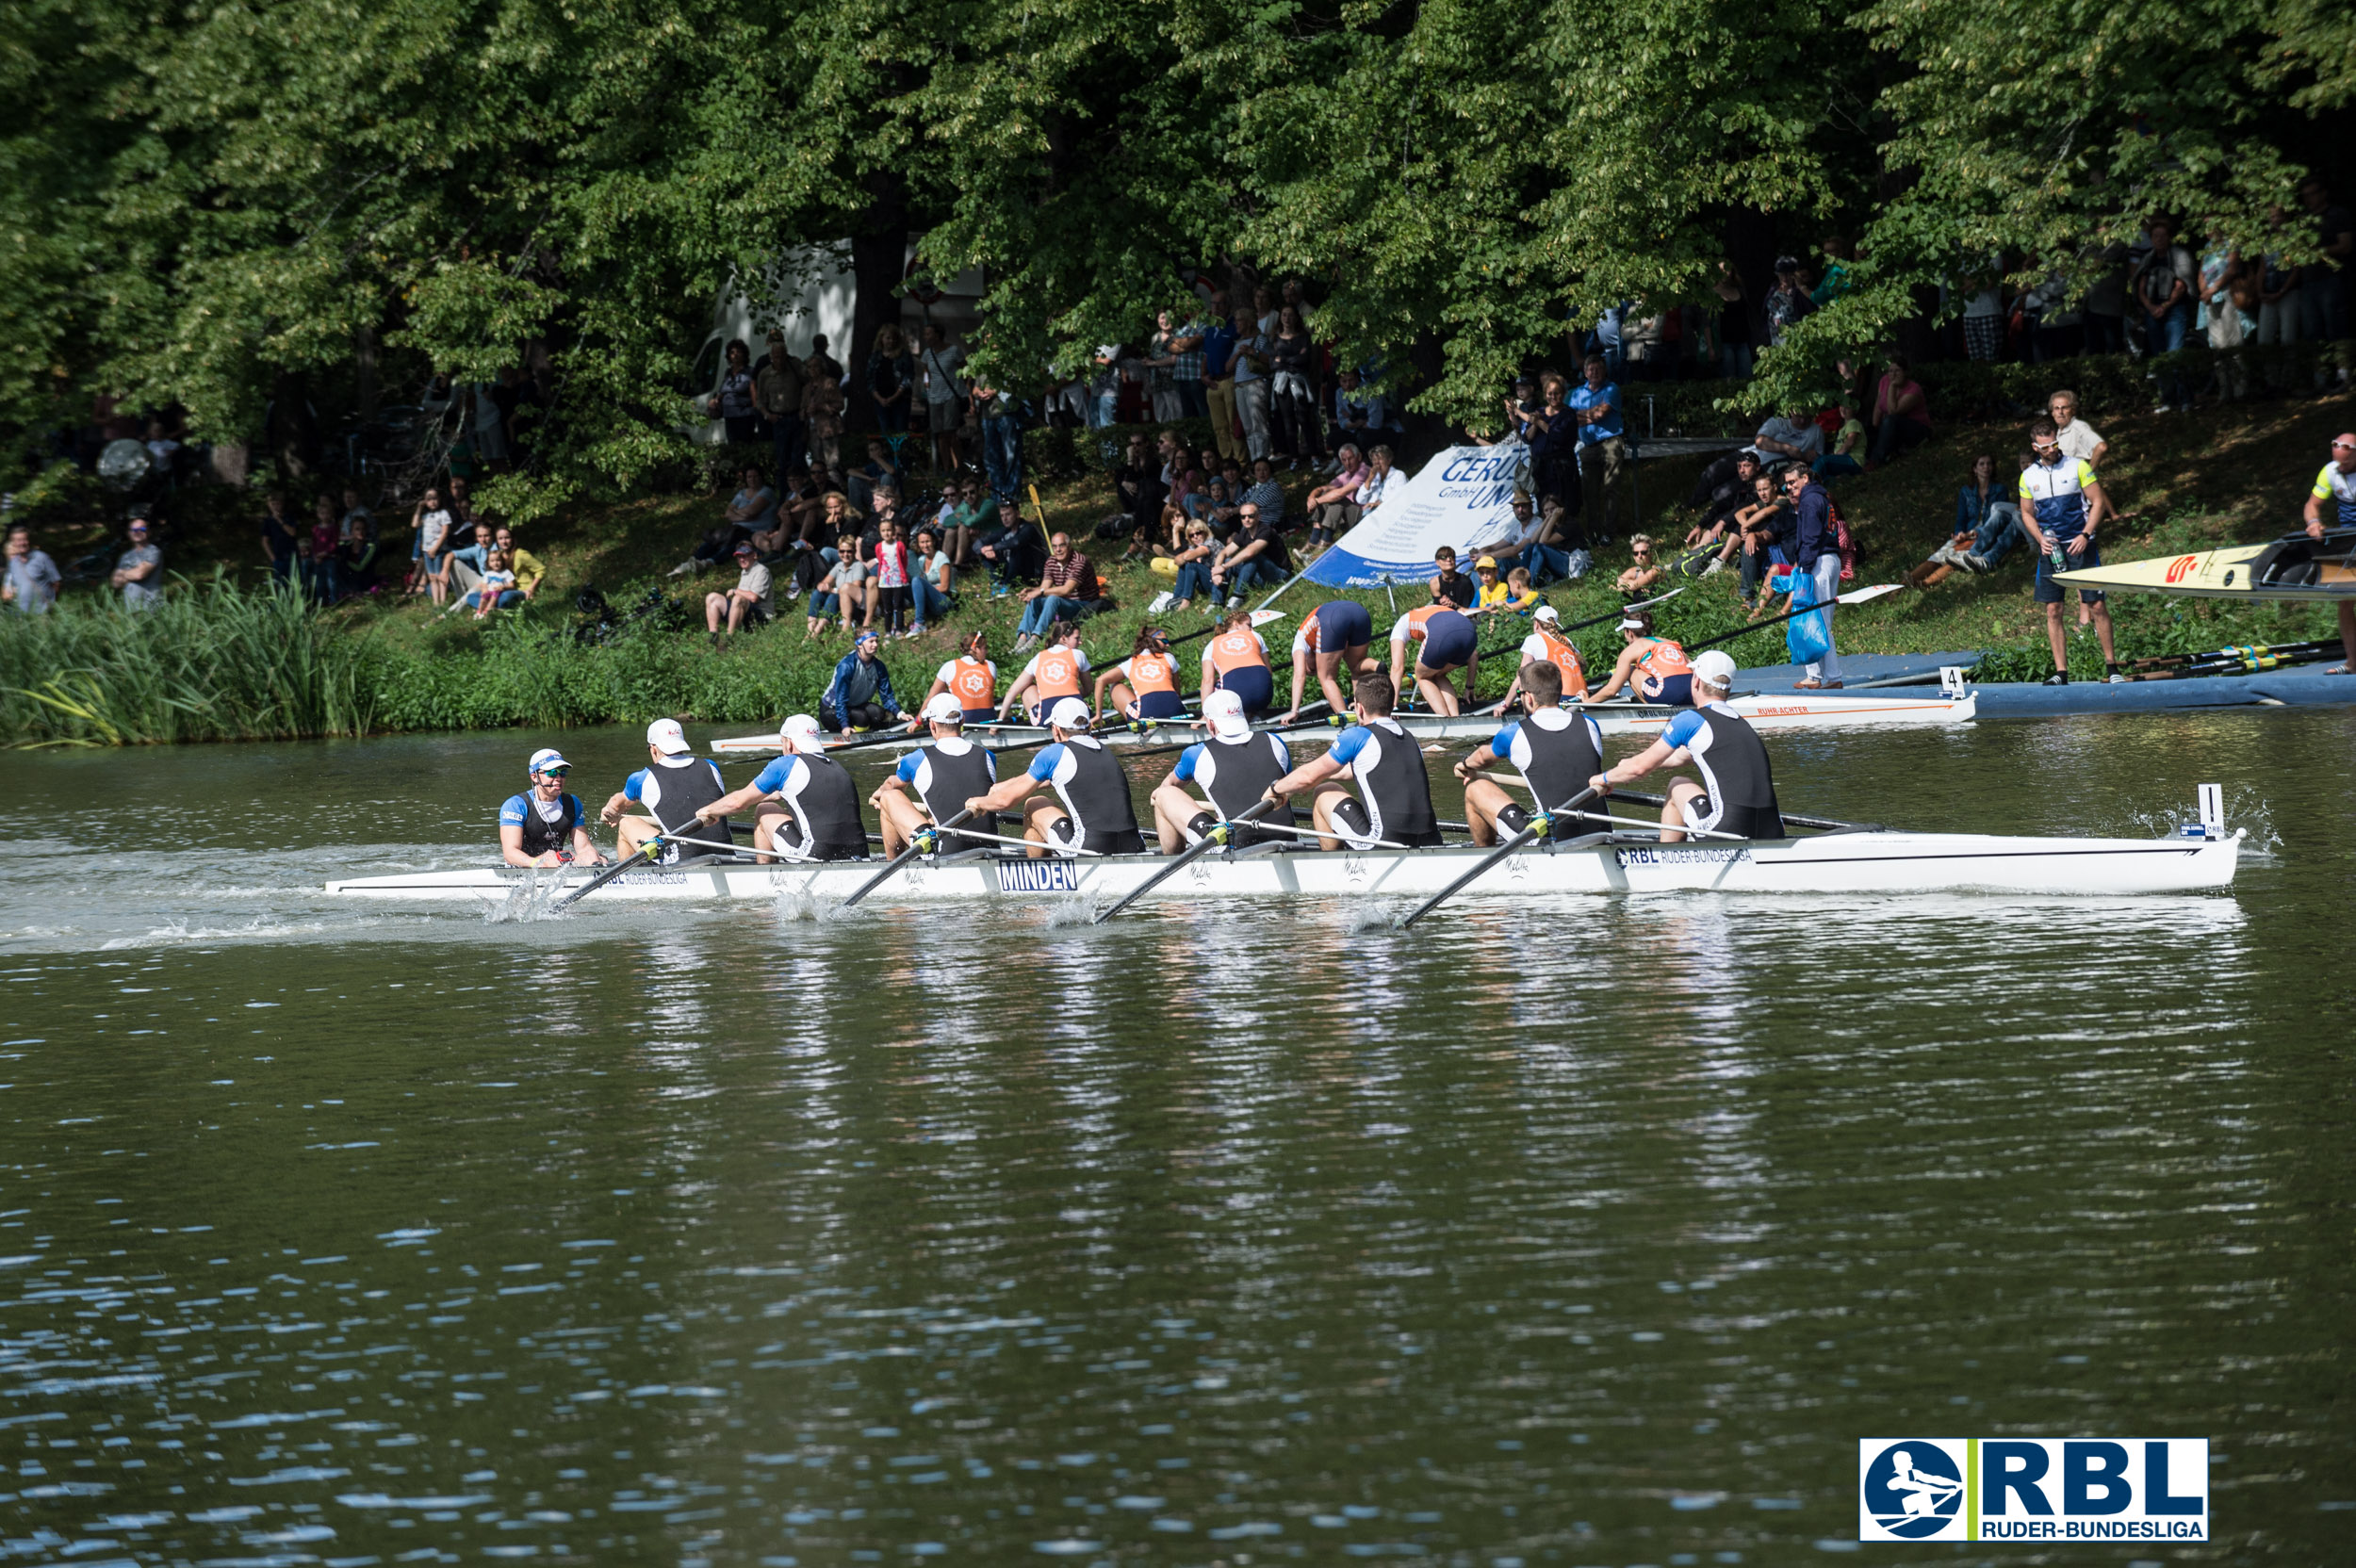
(224, 205)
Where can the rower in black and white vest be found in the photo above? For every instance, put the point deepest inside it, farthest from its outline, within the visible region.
(671, 791)
(1737, 795)
(1234, 768)
(1393, 800)
(945, 773)
(805, 806)
(1090, 807)
(1555, 749)
(543, 826)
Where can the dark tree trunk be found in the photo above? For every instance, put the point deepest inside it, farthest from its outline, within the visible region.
(879, 248)
(1751, 246)
(364, 369)
(294, 439)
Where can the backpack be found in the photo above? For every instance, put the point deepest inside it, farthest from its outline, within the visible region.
(1846, 542)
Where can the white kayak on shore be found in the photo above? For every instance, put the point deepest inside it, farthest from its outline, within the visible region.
(1764, 710)
(1866, 862)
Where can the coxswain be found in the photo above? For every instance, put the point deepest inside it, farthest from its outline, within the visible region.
(1145, 684)
(1234, 768)
(543, 826)
(1737, 795)
(671, 791)
(805, 806)
(1393, 800)
(1235, 659)
(1446, 642)
(970, 678)
(1547, 645)
(1555, 749)
(1656, 666)
(1090, 807)
(945, 773)
(1333, 641)
(1053, 673)
(2334, 492)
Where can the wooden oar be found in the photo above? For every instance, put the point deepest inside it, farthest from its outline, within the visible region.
(1186, 857)
(915, 845)
(1853, 598)
(1508, 847)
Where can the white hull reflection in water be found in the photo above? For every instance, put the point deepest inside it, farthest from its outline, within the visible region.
(1559, 1230)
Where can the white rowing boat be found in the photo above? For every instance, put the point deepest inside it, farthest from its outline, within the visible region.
(1870, 861)
(1764, 710)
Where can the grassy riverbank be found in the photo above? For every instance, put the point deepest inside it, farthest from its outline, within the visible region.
(222, 662)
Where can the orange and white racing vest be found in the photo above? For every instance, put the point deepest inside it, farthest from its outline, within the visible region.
(974, 683)
(1565, 657)
(1057, 676)
(1238, 649)
(1418, 620)
(1662, 660)
(1152, 672)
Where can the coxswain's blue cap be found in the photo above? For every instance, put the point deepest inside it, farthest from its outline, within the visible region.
(545, 758)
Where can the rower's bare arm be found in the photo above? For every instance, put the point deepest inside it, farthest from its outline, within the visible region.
(729, 805)
(614, 809)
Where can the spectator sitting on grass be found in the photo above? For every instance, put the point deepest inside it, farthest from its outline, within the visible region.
(33, 577)
(1068, 589)
(496, 588)
(1988, 521)
(1790, 436)
(468, 565)
(139, 570)
(1264, 492)
(843, 587)
(1448, 585)
(752, 598)
(1015, 552)
(1644, 573)
(1194, 568)
(1255, 556)
(1902, 415)
(931, 576)
(752, 510)
(976, 517)
(357, 554)
(1844, 459)
(1332, 506)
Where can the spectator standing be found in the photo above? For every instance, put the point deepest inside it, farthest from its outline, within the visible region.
(1602, 447)
(1142, 491)
(2280, 308)
(1736, 354)
(1553, 435)
(2164, 286)
(777, 388)
(327, 539)
(732, 404)
(822, 422)
(893, 573)
(490, 426)
(139, 570)
(1249, 367)
(33, 578)
(1161, 373)
(945, 393)
(1901, 413)
(2104, 311)
(1835, 281)
(1787, 301)
(1816, 551)
(1002, 443)
(1358, 414)
(1984, 314)
(429, 526)
(2222, 288)
(1185, 348)
(1067, 588)
(1219, 338)
(891, 377)
(1292, 389)
(279, 536)
(2323, 284)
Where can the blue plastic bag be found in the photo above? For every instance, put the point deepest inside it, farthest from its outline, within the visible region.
(1808, 637)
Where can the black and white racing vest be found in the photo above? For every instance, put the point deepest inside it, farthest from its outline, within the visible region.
(673, 793)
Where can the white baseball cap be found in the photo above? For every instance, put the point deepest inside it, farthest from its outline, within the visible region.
(1546, 612)
(545, 758)
(945, 709)
(1069, 713)
(666, 736)
(1631, 624)
(1224, 710)
(802, 733)
(1715, 668)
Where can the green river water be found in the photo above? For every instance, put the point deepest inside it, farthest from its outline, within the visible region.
(1581, 1232)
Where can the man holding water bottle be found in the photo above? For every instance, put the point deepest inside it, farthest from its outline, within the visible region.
(2061, 501)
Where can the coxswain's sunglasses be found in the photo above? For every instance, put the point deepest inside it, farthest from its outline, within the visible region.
(556, 773)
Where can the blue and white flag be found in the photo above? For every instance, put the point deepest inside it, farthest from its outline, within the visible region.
(1464, 496)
